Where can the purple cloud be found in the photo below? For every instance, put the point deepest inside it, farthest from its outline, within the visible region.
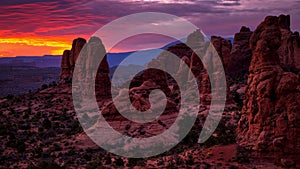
(72, 17)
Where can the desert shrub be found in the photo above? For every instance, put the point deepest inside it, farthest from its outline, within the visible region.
(107, 159)
(25, 115)
(12, 111)
(40, 129)
(56, 147)
(37, 151)
(52, 84)
(72, 152)
(75, 128)
(119, 162)
(21, 147)
(242, 155)
(24, 127)
(46, 154)
(49, 165)
(131, 162)
(44, 86)
(171, 165)
(10, 96)
(87, 156)
(141, 162)
(17, 144)
(190, 160)
(3, 129)
(135, 162)
(192, 136)
(95, 164)
(17, 99)
(238, 98)
(47, 123)
(225, 135)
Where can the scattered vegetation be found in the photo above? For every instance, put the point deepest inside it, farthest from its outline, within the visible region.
(242, 155)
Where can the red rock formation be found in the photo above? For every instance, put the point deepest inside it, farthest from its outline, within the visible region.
(77, 45)
(223, 47)
(90, 53)
(68, 60)
(270, 119)
(65, 75)
(95, 49)
(240, 56)
(189, 57)
(290, 45)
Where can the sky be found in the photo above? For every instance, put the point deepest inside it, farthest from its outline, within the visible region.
(38, 27)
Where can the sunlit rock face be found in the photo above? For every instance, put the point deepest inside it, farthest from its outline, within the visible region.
(270, 119)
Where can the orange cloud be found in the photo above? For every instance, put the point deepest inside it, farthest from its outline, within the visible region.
(34, 45)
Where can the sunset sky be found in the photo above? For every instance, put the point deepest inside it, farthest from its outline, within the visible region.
(38, 27)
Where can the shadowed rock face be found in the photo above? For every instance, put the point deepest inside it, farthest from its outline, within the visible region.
(270, 119)
(77, 45)
(289, 50)
(223, 47)
(240, 56)
(69, 59)
(65, 74)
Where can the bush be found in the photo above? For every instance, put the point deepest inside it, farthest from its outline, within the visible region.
(21, 147)
(87, 156)
(47, 124)
(49, 165)
(96, 164)
(3, 130)
(171, 166)
(190, 160)
(37, 151)
(10, 96)
(119, 162)
(57, 147)
(242, 155)
(135, 162)
(44, 86)
(225, 135)
(107, 159)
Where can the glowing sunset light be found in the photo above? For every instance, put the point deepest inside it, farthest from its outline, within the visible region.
(37, 46)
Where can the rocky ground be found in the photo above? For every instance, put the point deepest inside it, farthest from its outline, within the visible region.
(41, 130)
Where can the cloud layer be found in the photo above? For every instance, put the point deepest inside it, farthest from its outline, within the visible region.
(68, 19)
